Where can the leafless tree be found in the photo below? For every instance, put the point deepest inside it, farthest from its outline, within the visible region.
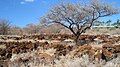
(4, 27)
(78, 18)
(31, 29)
(15, 30)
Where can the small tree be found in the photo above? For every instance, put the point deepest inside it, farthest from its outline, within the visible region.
(4, 27)
(108, 23)
(15, 30)
(31, 29)
(117, 24)
(78, 18)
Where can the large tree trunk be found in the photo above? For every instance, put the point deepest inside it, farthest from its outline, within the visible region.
(77, 40)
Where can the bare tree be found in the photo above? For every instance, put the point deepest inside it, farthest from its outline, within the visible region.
(4, 27)
(78, 18)
(15, 30)
(31, 29)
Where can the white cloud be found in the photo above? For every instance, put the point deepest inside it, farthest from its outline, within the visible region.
(22, 2)
(29, 0)
(26, 1)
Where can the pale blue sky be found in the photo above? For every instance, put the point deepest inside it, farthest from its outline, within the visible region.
(22, 12)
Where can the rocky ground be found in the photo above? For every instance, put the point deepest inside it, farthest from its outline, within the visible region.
(60, 51)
